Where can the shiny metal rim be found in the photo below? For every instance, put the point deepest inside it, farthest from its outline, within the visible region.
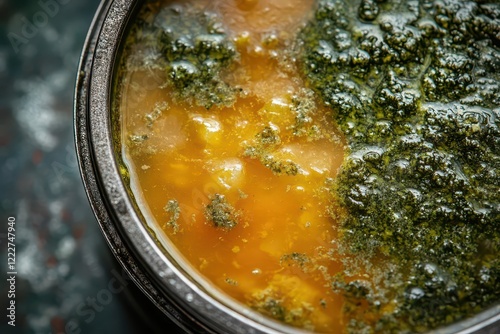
(156, 273)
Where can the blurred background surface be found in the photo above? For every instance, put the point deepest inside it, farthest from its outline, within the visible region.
(67, 280)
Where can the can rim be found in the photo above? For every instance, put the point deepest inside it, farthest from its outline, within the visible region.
(154, 272)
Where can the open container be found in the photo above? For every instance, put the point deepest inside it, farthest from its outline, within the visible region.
(179, 294)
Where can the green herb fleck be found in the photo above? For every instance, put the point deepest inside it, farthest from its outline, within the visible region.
(265, 142)
(231, 281)
(220, 213)
(174, 211)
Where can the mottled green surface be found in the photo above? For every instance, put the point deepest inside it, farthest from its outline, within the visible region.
(415, 89)
(191, 46)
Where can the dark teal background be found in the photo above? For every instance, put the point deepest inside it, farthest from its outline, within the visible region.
(67, 280)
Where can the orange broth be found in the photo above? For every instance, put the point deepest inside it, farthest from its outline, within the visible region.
(280, 247)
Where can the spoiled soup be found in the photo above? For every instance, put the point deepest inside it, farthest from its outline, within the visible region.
(332, 165)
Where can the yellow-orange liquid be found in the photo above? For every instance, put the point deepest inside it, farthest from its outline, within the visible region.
(192, 153)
